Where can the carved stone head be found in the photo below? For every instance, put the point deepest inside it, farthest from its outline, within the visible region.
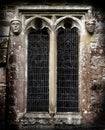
(16, 26)
(90, 26)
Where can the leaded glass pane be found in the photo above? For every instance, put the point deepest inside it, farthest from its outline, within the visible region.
(38, 71)
(67, 69)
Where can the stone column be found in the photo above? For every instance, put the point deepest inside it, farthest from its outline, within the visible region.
(15, 72)
(52, 74)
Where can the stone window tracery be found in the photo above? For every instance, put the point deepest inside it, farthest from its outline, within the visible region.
(48, 43)
(51, 64)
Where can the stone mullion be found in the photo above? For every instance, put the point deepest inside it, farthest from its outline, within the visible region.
(52, 74)
(11, 82)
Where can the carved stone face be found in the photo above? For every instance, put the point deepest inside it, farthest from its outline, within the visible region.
(90, 26)
(16, 27)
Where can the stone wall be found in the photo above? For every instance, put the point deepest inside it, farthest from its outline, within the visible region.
(4, 33)
(97, 68)
(93, 69)
(93, 72)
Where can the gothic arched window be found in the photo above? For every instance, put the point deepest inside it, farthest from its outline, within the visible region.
(52, 67)
(38, 69)
(67, 68)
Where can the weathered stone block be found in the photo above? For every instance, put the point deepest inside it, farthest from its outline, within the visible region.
(3, 55)
(2, 75)
(4, 42)
(2, 100)
(2, 114)
(4, 31)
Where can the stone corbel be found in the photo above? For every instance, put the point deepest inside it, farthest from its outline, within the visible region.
(90, 26)
(15, 26)
(90, 23)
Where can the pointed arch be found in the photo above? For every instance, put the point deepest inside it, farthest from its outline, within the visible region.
(28, 22)
(76, 22)
(67, 69)
(38, 70)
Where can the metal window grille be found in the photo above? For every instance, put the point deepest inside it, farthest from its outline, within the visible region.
(67, 70)
(38, 71)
